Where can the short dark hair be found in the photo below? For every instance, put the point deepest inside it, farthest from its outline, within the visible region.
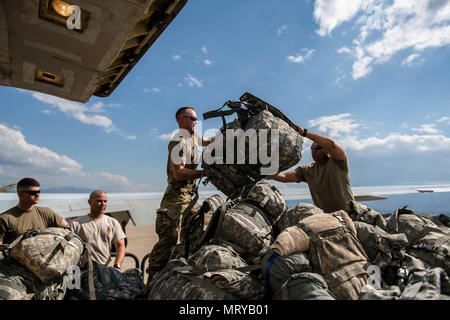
(27, 182)
(182, 110)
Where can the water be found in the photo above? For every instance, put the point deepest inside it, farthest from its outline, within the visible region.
(434, 203)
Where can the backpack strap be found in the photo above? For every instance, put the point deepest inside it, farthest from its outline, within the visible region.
(268, 262)
(90, 273)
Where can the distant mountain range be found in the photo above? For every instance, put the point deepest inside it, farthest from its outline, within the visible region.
(67, 190)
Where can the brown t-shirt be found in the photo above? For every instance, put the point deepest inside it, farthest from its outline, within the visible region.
(329, 184)
(15, 221)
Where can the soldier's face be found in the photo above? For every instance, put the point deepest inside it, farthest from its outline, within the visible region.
(187, 121)
(318, 153)
(29, 195)
(98, 203)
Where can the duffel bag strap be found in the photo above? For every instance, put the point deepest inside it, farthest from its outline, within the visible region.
(90, 272)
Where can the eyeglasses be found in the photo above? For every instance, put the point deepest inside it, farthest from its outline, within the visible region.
(316, 148)
(191, 117)
(32, 192)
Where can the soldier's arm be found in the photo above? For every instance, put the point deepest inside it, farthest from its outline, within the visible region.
(335, 150)
(120, 251)
(289, 176)
(181, 173)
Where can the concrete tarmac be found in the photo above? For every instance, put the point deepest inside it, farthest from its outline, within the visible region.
(140, 242)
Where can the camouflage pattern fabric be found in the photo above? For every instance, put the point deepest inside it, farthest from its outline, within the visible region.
(234, 179)
(17, 283)
(268, 198)
(293, 215)
(160, 254)
(49, 253)
(240, 284)
(382, 248)
(246, 229)
(359, 212)
(216, 257)
(304, 286)
(426, 284)
(276, 270)
(169, 284)
(427, 241)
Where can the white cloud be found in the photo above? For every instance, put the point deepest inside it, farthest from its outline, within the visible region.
(165, 137)
(281, 29)
(409, 60)
(343, 128)
(176, 57)
(331, 13)
(204, 50)
(393, 26)
(20, 158)
(298, 58)
(337, 125)
(444, 119)
(427, 128)
(46, 111)
(207, 62)
(192, 81)
(78, 111)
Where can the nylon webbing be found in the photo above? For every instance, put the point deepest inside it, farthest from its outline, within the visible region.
(269, 264)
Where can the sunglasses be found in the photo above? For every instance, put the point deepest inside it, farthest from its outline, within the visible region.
(32, 192)
(192, 118)
(316, 148)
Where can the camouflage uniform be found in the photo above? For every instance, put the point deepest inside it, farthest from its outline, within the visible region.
(176, 199)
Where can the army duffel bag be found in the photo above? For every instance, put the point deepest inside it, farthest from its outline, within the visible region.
(177, 281)
(17, 283)
(216, 257)
(198, 225)
(245, 228)
(334, 251)
(359, 212)
(48, 253)
(304, 286)
(267, 197)
(277, 269)
(382, 248)
(261, 142)
(293, 215)
(433, 249)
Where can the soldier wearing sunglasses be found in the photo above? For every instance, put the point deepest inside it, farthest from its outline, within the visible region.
(182, 173)
(327, 177)
(26, 215)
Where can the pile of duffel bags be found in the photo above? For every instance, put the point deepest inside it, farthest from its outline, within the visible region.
(234, 257)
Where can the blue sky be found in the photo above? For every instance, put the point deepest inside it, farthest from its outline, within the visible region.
(373, 75)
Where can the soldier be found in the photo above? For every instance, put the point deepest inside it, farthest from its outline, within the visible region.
(101, 231)
(181, 175)
(328, 177)
(26, 215)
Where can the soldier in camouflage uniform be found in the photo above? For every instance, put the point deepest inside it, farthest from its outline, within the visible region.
(182, 172)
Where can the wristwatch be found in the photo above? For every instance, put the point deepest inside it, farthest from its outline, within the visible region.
(117, 266)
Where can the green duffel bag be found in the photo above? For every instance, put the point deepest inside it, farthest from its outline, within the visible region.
(304, 286)
(277, 269)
